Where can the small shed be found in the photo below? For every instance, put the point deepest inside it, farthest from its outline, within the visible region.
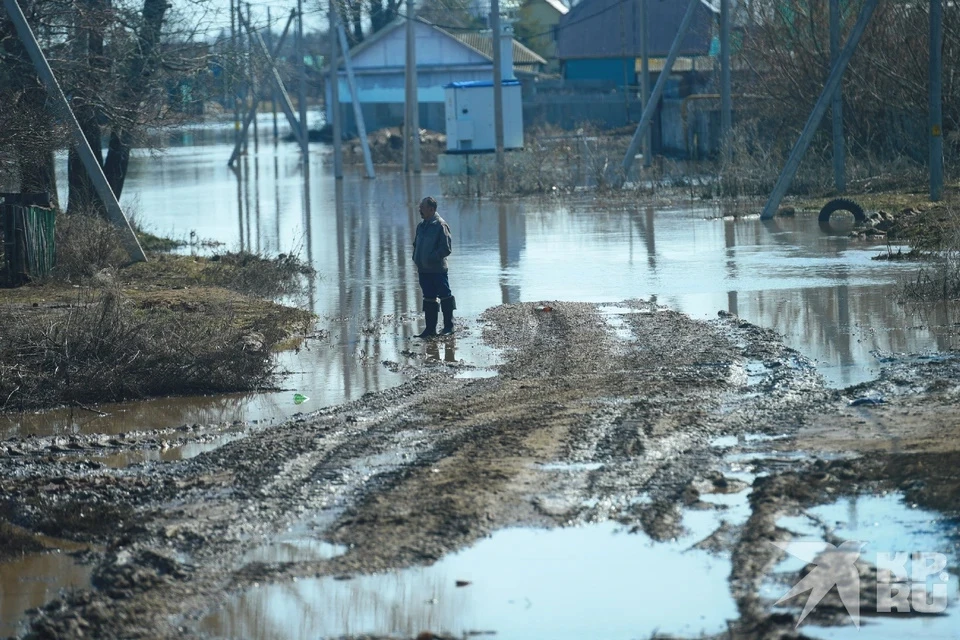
(469, 112)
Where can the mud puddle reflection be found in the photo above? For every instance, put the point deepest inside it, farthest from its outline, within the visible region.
(33, 580)
(882, 524)
(590, 581)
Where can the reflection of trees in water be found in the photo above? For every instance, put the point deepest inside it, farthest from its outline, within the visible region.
(393, 604)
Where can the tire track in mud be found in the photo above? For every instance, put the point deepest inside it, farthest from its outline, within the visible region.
(407, 475)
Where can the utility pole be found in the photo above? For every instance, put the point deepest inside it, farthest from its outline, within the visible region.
(411, 124)
(302, 84)
(253, 86)
(645, 79)
(127, 237)
(936, 100)
(648, 108)
(273, 90)
(233, 69)
(836, 108)
(497, 89)
(726, 106)
(819, 109)
(333, 109)
(355, 99)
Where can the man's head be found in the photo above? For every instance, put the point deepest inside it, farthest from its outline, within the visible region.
(428, 207)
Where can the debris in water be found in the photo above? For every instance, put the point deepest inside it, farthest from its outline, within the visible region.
(299, 398)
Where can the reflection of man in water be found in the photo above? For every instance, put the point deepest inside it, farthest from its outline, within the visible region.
(430, 250)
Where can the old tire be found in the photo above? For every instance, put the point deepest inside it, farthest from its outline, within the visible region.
(841, 204)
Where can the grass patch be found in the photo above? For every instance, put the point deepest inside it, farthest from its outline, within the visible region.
(107, 346)
(101, 330)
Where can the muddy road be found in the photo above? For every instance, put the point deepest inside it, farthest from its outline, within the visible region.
(646, 414)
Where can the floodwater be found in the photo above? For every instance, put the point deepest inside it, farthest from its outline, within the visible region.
(577, 582)
(823, 292)
(883, 524)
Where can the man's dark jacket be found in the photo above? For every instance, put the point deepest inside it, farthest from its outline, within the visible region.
(432, 245)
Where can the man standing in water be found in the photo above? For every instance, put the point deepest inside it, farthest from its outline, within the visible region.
(431, 247)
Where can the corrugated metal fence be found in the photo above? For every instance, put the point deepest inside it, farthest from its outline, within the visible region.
(29, 246)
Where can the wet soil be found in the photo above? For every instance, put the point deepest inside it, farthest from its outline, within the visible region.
(630, 400)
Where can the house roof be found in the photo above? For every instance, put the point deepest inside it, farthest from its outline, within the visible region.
(561, 8)
(611, 29)
(481, 42)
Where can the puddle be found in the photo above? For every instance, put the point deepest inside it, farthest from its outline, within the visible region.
(294, 550)
(470, 374)
(884, 525)
(613, 316)
(32, 581)
(582, 582)
(575, 467)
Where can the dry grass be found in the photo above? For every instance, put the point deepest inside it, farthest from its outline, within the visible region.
(104, 347)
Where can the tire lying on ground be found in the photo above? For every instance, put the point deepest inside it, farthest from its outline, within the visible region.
(841, 204)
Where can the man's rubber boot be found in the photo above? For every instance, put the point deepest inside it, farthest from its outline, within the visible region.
(430, 311)
(448, 305)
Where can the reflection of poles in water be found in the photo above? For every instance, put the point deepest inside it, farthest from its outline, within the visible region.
(236, 172)
(732, 303)
(276, 199)
(504, 251)
(342, 284)
(649, 237)
(413, 194)
(730, 242)
(246, 201)
(256, 199)
(308, 234)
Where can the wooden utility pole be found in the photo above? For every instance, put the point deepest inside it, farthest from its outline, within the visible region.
(273, 90)
(497, 89)
(251, 75)
(936, 100)
(411, 124)
(836, 108)
(645, 79)
(252, 113)
(232, 75)
(302, 84)
(90, 163)
(819, 109)
(333, 109)
(726, 103)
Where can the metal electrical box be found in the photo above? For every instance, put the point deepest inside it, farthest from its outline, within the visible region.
(469, 115)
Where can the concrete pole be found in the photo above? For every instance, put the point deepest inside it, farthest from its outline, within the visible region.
(648, 108)
(836, 109)
(936, 100)
(726, 105)
(333, 110)
(254, 96)
(497, 89)
(645, 79)
(409, 35)
(302, 82)
(127, 237)
(273, 90)
(819, 109)
(355, 99)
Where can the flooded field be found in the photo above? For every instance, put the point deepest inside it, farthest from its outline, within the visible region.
(596, 452)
